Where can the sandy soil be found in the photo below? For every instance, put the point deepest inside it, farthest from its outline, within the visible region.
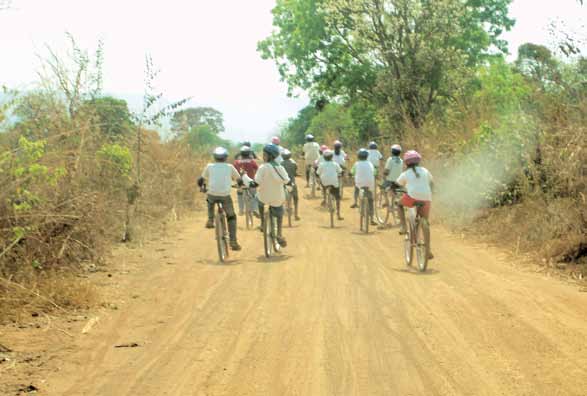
(336, 314)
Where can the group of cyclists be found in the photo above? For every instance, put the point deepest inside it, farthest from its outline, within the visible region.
(266, 182)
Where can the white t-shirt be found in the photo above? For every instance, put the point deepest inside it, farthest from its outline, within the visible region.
(219, 176)
(395, 166)
(418, 187)
(374, 157)
(364, 173)
(329, 172)
(311, 152)
(340, 159)
(279, 158)
(271, 178)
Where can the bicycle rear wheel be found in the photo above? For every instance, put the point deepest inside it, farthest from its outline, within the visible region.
(330, 205)
(248, 211)
(422, 239)
(382, 207)
(408, 243)
(365, 214)
(221, 236)
(267, 237)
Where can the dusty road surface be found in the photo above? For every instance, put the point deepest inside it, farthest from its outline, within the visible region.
(336, 314)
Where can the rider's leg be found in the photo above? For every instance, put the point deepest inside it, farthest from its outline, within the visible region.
(308, 175)
(296, 200)
(231, 217)
(337, 197)
(355, 197)
(210, 202)
(371, 207)
(241, 202)
(261, 207)
(402, 214)
(278, 213)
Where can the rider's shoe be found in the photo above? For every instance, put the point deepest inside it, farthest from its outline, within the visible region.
(235, 246)
(339, 217)
(281, 240)
(374, 223)
(298, 218)
(256, 214)
(430, 256)
(210, 224)
(354, 206)
(403, 231)
(323, 204)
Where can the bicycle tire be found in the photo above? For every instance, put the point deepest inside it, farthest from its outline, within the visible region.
(313, 183)
(330, 207)
(382, 208)
(220, 231)
(422, 240)
(267, 237)
(248, 211)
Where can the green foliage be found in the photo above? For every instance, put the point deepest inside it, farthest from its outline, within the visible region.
(112, 116)
(203, 136)
(402, 54)
(294, 131)
(116, 161)
(334, 122)
(185, 120)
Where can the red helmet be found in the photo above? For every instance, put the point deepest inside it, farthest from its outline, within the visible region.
(276, 140)
(412, 157)
(323, 148)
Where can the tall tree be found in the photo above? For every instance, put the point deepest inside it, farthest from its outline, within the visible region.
(404, 55)
(195, 117)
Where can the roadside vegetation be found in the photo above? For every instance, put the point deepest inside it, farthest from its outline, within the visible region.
(80, 172)
(506, 139)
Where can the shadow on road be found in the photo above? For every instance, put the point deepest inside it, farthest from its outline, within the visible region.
(414, 271)
(273, 259)
(217, 263)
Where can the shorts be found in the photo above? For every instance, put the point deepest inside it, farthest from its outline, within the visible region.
(410, 202)
(335, 191)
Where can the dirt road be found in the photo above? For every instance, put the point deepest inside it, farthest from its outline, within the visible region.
(336, 314)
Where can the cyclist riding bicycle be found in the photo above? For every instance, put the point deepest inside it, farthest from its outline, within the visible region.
(246, 144)
(375, 155)
(311, 154)
(271, 179)
(219, 176)
(418, 182)
(393, 168)
(246, 165)
(317, 164)
(339, 155)
(364, 173)
(329, 172)
(292, 169)
(276, 141)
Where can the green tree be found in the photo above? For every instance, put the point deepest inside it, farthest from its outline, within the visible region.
(333, 122)
(112, 116)
(295, 130)
(403, 55)
(185, 120)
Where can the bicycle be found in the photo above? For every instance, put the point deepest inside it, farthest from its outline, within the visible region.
(247, 200)
(417, 237)
(364, 218)
(289, 203)
(220, 228)
(270, 242)
(330, 204)
(387, 206)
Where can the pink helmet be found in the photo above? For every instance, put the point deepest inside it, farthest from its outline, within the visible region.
(323, 148)
(412, 157)
(276, 140)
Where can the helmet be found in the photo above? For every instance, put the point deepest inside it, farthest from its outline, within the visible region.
(362, 154)
(275, 140)
(272, 150)
(328, 154)
(245, 150)
(323, 148)
(286, 154)
(248, 144)
(337, 144)
(396, 149)
(372, 146)
(412, 157)
(309, 137)
(220, 153)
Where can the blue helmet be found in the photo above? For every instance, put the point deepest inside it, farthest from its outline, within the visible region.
(272, 150)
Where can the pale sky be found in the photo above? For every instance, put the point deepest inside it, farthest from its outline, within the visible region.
(205, 49)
